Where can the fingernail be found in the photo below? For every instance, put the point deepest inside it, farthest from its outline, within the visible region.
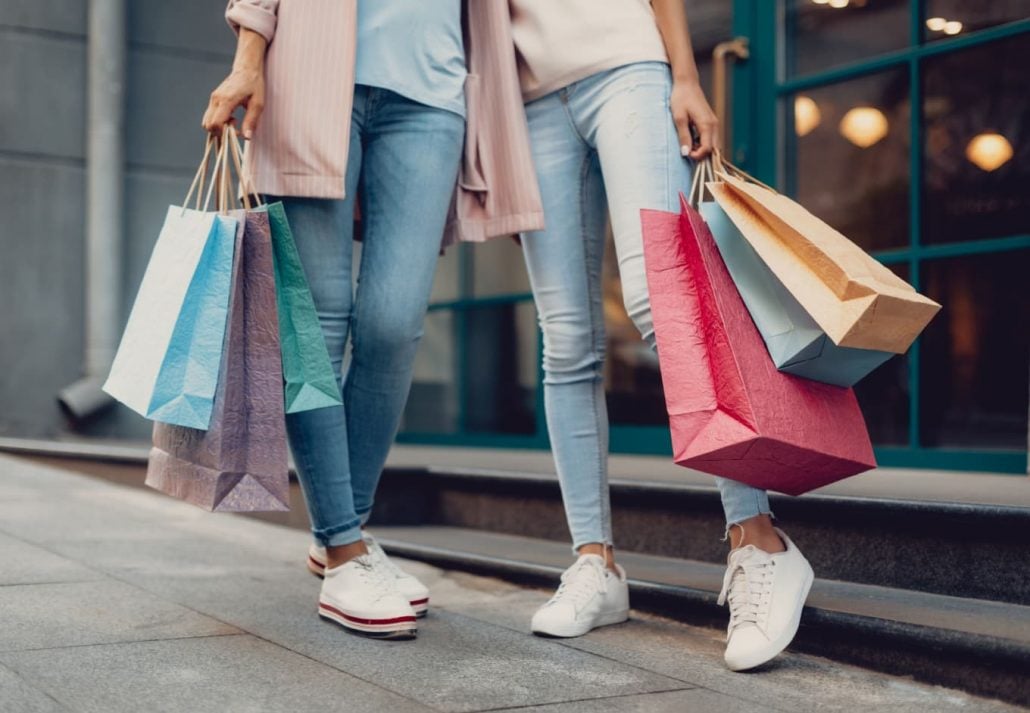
(684, 150)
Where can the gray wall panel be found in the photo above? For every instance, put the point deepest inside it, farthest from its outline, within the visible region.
(193, 26)
(54, 15)
(167, 98)
(42, 94)
(41, 285)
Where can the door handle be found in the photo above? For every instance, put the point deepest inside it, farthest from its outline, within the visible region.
(737, 48)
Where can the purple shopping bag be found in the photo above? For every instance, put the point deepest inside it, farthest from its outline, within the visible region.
(239, 464)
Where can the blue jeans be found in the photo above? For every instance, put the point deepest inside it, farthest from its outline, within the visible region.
(607, 141)
(404, 159)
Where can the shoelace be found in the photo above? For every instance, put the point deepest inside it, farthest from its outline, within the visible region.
(748, 587)
(374, 576)
(580, 582)
(378, 555)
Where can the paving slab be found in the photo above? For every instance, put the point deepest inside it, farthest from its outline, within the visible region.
(794, 682)
(17, 696)
(24, 563)
(456, 664)
(225, 674)
(43, 616)
(697, 700)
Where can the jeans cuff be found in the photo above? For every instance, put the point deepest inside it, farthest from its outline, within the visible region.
(335, 536)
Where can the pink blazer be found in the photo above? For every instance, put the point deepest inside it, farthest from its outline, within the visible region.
(300, 146)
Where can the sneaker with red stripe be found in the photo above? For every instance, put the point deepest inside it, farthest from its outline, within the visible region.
(409, 586)
(358, 596)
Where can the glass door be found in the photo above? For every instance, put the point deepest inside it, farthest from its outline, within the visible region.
(906, 125)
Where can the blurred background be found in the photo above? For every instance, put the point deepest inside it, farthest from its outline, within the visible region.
(903, 123)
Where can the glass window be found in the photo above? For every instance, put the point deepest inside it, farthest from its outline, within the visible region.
(498, 268)
(975, 355)
(433, 403)
(633, 382)
(822, 34)
(847, 157)
(977, 142)
(884, 394)
(501, 366)
(447, 282)
(950, 18)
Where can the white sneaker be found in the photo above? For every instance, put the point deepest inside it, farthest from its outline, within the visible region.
(590, 595)
(416, 592)
(361, 598)
(766, 593)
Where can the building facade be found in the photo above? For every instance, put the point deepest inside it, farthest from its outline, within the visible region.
(904, 123)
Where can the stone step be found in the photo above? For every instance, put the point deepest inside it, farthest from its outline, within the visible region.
(976, 645)
(973, 550)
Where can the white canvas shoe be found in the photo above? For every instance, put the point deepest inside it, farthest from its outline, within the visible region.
(590, 595)
(766, 593)
(416, 592)
(359, 597)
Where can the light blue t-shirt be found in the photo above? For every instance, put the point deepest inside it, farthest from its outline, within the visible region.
(414, 48)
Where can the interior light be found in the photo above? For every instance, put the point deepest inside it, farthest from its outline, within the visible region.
(820, 2)
(839, 3)
(806, 115)
(936, 24)
(864, 126)
(989, 151)
(953, 27)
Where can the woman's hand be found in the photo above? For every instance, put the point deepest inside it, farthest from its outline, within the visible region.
(245, 86)
(690, 109)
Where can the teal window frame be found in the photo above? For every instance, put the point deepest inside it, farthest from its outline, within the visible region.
(758, 91)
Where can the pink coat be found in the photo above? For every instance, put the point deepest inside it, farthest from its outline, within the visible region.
(300, 145)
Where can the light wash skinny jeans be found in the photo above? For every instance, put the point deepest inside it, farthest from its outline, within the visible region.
(607, 141)
(404, 159)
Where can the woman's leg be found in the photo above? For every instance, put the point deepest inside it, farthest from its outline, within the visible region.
(766, 584)
(564, 263)
(323, 231)
(411, 157)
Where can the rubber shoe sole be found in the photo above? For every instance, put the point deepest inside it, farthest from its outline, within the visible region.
(399, 628)
(421, 606)
(573, 631)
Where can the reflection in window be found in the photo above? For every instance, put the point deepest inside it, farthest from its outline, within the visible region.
(849, 164)
(951, 18)
(975, 355)
(977, 147)
(821, 35)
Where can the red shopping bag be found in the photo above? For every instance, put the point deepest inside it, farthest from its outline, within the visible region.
(731, 412)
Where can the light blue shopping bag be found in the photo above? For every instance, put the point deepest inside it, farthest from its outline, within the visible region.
(795, 342)
(184, 391)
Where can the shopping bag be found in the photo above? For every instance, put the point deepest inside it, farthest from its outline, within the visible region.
(310, 380)
(795, 342)
(166, 367)
(731, 412)
(240, 462)
(854, 299)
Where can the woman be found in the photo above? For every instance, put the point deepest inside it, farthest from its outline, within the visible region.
(612, 94)
(384, 124)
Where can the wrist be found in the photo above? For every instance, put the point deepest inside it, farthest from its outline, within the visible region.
(686, 77)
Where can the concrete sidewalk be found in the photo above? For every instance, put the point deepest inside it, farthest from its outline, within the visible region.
(115, 599)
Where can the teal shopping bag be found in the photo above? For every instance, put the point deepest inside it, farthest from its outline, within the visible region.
(310, 382)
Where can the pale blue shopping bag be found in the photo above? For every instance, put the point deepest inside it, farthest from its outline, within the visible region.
(167, 364)
(795, 342)
(184, 391)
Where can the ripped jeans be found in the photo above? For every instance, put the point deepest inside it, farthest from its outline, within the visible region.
(607, 141)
